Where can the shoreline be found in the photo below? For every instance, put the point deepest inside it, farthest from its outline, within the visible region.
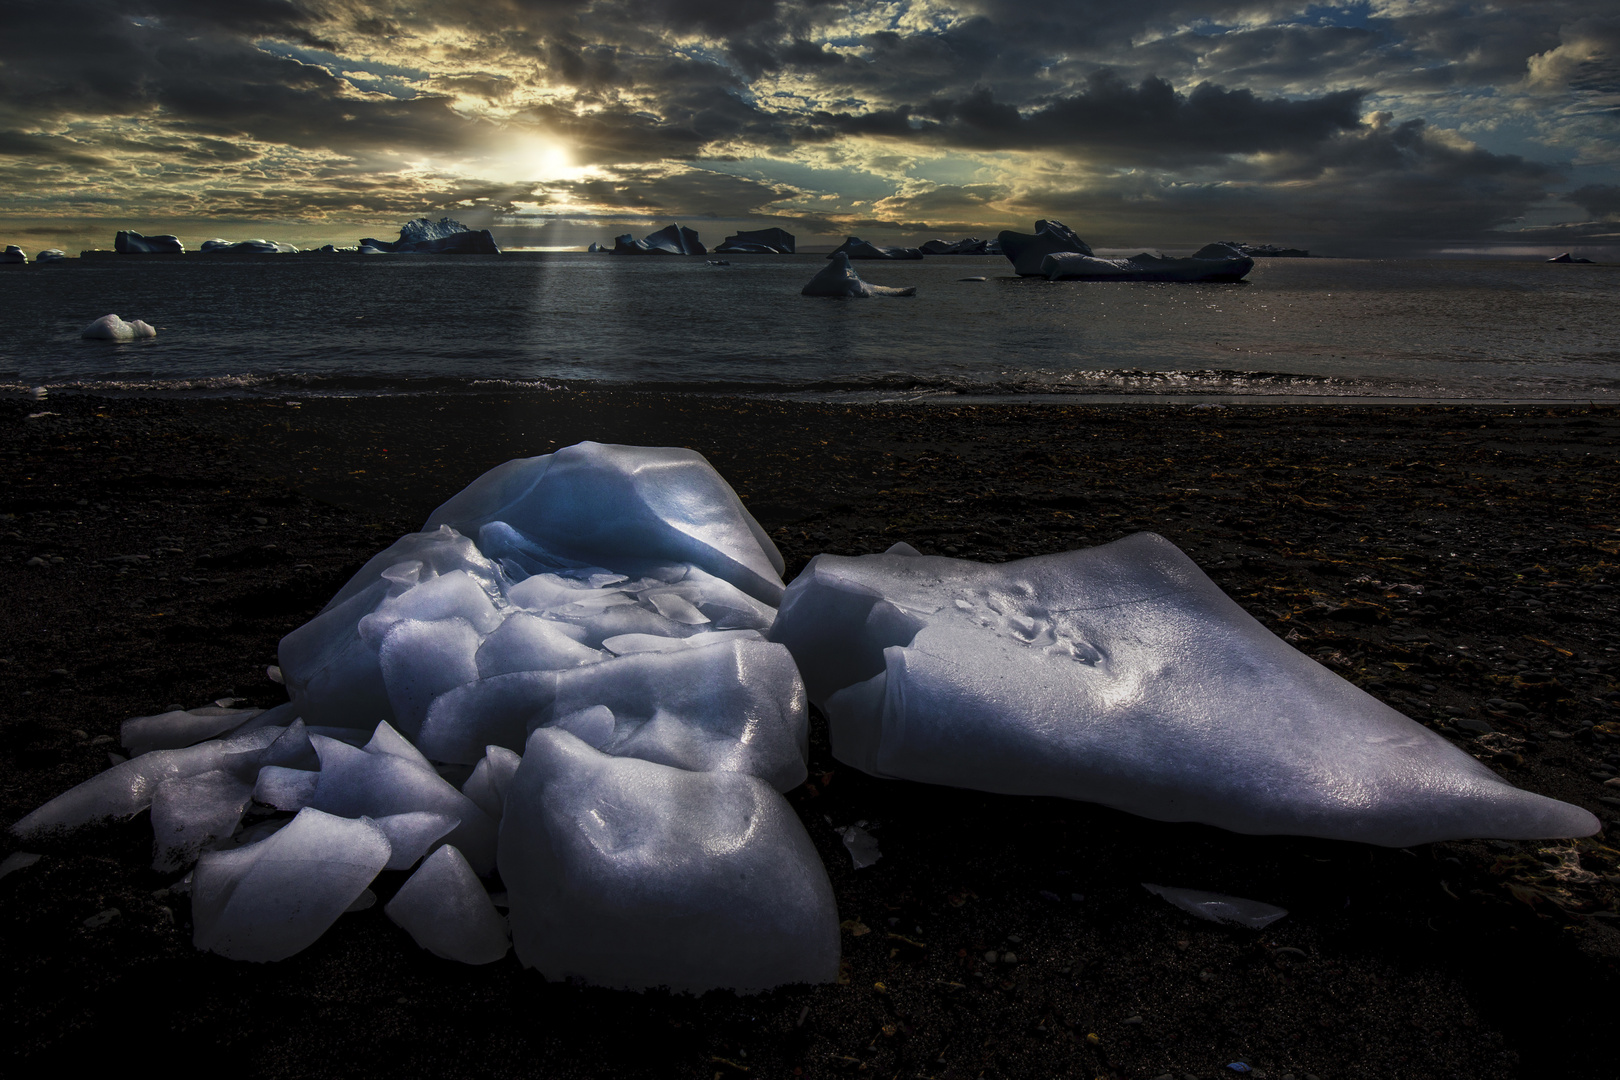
(193, 532)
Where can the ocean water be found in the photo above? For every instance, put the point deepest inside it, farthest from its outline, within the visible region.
(1297, 329)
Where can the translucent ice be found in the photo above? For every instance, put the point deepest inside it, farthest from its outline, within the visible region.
(1219, 908)
(447, 911)
(490, 778)
(1123, 675)
(112, 328)
(631, 874)
(191, 812)
(389, 776)
(605, 504)
(268, 900)
(412, 834)
(172, 730)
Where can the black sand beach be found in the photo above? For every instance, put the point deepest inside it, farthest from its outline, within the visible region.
(154, 551)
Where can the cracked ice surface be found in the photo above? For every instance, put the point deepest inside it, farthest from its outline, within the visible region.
(1122, 675)
(606, 604)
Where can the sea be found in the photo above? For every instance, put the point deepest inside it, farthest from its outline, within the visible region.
(1297, 330)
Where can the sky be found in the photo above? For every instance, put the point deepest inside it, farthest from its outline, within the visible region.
(1398, 126)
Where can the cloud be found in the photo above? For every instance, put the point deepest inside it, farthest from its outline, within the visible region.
(1599, 200)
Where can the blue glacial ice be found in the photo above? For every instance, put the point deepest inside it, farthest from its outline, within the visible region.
(1122, 675)
(838, 278)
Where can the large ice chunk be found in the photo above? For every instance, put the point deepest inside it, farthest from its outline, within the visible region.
(445, 909)
(112, 328)
(1026, 251)
(129, 242)
(854, 247)
(13, 256)
(670, 240)
(838, 278)
(758, 242)
(602, 504)
(1123, 675)
(177, 728)
(1073, 266)
(419, 236)
(630, 874)
(189, 813)
(269, 900)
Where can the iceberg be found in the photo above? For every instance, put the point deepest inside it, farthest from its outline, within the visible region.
(446, 236)
(758, 242)
(133, 243)
(50, 255)
(838, 278)
(13, 256)
(972, 245)
(112, 328)
(1566, 257)
(1072, 266)
(1122, 675)
(854, 247)
(248, 247)
(670, 240)
(1227, 248)
(1026, 251)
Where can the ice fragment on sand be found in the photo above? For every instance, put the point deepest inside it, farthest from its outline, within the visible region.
(17, 860)
(445, 908)
(267, 901)
(630, 874)
(112, 328)
(1219, 908)
(839, 279)
(861, 845)
(1122, 675)
(191, 812)
(173, 730)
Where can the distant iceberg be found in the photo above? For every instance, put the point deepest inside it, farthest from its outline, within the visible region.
(1025, 251)
(838, 278)
(112, 328)
(13, 256)
(1566, 257)
(670, 240)
(248, 247)
(128, 242)
(1072, 266)
(972, 245)
(758, 242)
(856, 248)
(50, 255)
(1254, 251)
(446, 236)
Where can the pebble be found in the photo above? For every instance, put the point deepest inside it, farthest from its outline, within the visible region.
(102, 918)
(1478, 727)
(36, 561)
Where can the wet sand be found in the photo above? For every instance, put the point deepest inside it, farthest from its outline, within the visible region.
(1462, 564)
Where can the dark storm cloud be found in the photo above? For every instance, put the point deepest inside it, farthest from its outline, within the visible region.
(1599, 200)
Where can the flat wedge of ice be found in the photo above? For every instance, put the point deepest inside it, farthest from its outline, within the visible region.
(1123, 675)
(446, 910)
(412, 835)
(1217, 907)
(173, 730)
(379, 780)
(629, 874)
(189, 813)
(269, 900)
(128, 788)
(487, 785)
(600, 503)
(632, 643)
(285, 789)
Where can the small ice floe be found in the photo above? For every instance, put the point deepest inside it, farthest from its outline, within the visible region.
(862, 845)
(838, 278)
(1217, 907)
(112, 328)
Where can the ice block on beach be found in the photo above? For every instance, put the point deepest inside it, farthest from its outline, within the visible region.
(1122, 675)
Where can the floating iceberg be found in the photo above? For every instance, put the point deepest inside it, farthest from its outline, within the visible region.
(446, 236)
(855, 248)
(133, 243)
(248, 247)
(1071, 266)
(670, 240)
(1566, 257)
(970, 246)
(112, 328)
(1124, 676)
(1026, 251)
(50, 255)
(1227, 248)
(838, 278)
(758, 242)
(13, 256)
